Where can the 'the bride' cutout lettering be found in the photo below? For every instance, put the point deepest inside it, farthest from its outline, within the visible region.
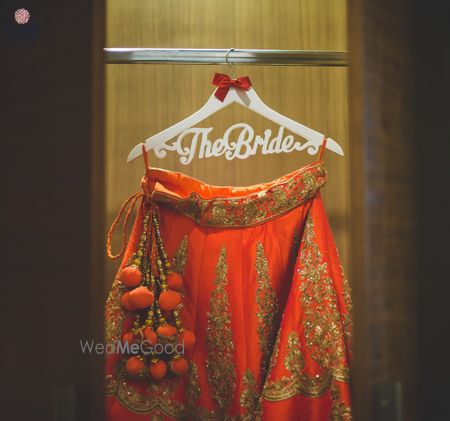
(238, 141)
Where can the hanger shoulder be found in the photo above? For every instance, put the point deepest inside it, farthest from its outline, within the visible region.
(333, 146)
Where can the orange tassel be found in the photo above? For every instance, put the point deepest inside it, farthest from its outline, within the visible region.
(130, 276)
(134, 366)
(141, 297)
(150, 336)
(125, 301)
(166, 330)
(168, 300)
(158, 369)
(174, 281)
(128, 337)
(179, 365)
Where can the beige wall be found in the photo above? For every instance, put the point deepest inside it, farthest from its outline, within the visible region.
(142, 100)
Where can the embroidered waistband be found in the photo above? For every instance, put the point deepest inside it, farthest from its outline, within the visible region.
(226, 206)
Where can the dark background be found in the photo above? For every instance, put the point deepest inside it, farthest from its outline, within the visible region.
(47, 119)
(431, 53)
(45, 209)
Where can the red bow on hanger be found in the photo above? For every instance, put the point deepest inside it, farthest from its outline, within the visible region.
(224, 82)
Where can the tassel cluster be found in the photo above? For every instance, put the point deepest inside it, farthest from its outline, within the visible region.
(152, 292)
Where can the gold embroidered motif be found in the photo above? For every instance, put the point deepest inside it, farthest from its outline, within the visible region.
(155, 399)
(250, 401)
(297, 382)
(193, 409)
(112, 380)
(253, 208)
(219, 341)
(111, 385)
(347, 319)
(180, 256)
(294, 360)
(114, 314)
(267, 303)
(193, 387)
(340, 410)
(322, 322)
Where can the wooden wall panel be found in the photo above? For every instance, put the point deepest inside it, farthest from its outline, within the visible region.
(385, 207)
(144, 99)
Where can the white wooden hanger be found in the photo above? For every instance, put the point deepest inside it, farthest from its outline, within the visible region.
(248, 99)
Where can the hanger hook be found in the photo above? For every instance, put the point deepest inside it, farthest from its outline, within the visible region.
(230, 65)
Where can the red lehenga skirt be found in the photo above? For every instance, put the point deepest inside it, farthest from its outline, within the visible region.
(265, 295)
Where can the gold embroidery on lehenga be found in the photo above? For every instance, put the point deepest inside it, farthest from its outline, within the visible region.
(347, 319)
(193, 386)
(249, 400)
(114, 314)
(340, 411)
(267, 303)
(153, 400)
(327, 333)
(252, 209)
(297, 382)
(193, 410)
(180, 256)
(316, 300)
(219, 341)
(322, 322)
(110, 385)
(156, 398)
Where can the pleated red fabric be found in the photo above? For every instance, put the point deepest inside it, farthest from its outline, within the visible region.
(264, 293)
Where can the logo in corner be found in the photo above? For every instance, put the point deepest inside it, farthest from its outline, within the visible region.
(19, 25)
(22, 16)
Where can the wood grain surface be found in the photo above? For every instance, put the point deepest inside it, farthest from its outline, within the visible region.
(385, 209)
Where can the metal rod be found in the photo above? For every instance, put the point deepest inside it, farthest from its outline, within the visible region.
(217, 56)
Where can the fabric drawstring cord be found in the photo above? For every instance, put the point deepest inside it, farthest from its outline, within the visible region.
(149, 187)
(127, 206)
